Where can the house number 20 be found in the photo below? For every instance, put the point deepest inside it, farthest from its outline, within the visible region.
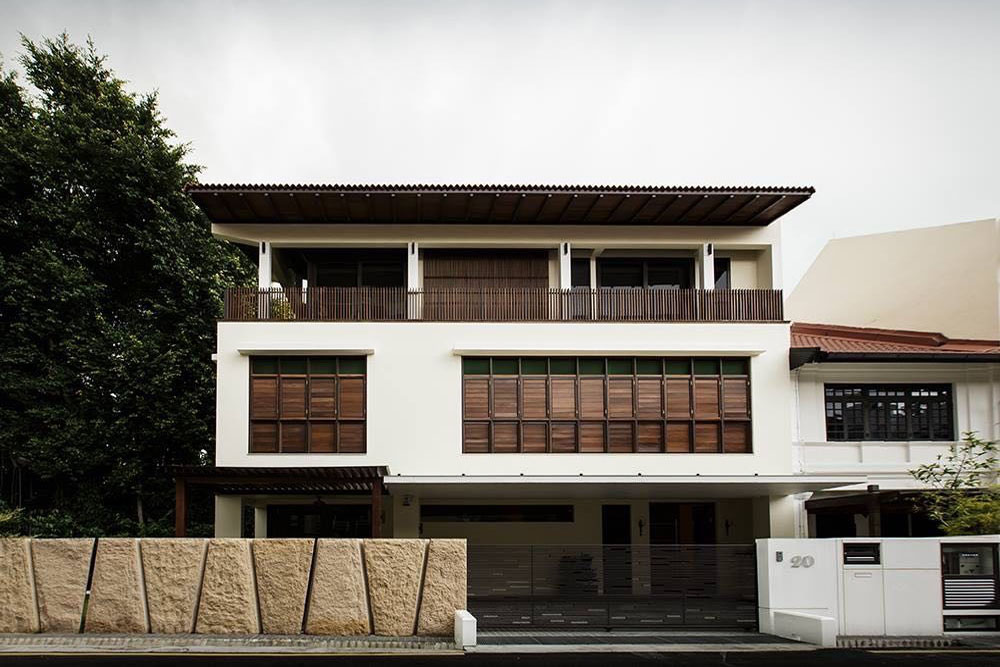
(803, 561)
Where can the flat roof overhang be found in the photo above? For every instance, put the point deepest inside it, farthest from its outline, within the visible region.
(496, 204)
(282, 480)
(613, 486)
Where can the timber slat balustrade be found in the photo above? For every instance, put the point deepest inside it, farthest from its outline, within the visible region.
(502, 304)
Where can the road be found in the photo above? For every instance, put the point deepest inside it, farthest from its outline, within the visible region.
(907, 658)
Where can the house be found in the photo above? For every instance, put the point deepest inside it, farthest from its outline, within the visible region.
(509, 364)
(879, 403)
(904, 362)
(591, 385)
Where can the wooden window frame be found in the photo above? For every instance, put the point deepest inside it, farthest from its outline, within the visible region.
(938, 432)
(609, 422)
(338, 419)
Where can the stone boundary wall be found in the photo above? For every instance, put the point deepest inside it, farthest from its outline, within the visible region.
(388, 587)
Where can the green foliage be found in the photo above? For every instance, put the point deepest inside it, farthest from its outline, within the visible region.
(10, 521)
(282, 310)
(110, 284)
(965, 495)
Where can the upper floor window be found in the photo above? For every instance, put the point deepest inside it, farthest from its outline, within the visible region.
(889, 412)
(307, 404)
(657, 273)
(598, 404)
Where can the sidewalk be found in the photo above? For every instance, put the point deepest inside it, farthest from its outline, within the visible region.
(216, 644)
(541, 641)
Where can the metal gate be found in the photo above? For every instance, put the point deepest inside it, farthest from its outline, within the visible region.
(613, 586)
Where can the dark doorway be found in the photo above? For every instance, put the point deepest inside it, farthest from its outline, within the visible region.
(682, 523)
(319, 520)
(616, 536)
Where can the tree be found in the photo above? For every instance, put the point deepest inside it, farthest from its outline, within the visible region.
(964, 498)
(110, 284)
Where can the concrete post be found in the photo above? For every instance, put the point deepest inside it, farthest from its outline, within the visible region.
(706, 266)
(565, 266)
(781, 514)
(405, 515)
(264, 265)
(412, 266)
(228, 516)
(260, 522)
(414, 303)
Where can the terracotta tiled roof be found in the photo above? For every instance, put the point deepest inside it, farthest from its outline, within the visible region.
(831, 342)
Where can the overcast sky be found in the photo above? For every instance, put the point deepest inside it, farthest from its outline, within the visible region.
(890, 109)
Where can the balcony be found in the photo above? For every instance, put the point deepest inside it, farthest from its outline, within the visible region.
(398, 304)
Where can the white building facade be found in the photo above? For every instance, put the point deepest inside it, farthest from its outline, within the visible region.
(535, 354)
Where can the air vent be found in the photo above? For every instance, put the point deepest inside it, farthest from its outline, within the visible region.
(861, 553)
(970, 593)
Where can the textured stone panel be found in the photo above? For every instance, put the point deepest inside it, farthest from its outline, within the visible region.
(228, 602)
(61, 568)
(172, 569)
(394, 571)
(338, 602)
(18, 612)
(444, 587)
(117, 599)
(282, 581)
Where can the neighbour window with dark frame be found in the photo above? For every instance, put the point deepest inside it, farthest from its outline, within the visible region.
(889, 412)
(304, 404)
(606, 405)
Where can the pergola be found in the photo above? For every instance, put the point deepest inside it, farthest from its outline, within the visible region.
(246, 480)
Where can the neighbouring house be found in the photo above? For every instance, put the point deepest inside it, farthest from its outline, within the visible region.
(877, 403)
(944, 279)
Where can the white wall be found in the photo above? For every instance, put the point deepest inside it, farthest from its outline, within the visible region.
(899, 596)
(976, 399)
(944, 279)
(414, 423)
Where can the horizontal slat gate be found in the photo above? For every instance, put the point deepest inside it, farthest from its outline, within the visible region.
(613, 586)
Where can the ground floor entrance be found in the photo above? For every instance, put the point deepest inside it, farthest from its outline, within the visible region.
(597, 564)
(613, 586)
(319, 519)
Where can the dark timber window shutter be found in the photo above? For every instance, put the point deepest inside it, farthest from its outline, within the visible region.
(599, 405)
(307, 404)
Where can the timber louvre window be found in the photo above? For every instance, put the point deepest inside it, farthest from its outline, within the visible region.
(889, 412)
(307, 404)
(605, 405)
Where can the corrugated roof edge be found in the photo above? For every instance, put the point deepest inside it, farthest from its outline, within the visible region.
(422, 187)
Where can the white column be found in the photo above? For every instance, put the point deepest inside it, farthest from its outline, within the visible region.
(413, 302)
(706, 266)
(228, 516)
(565, 266)
(781, 512)
(264, 265)
(777, 273)
(260, 521)
(405, 515)
(413, 266)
